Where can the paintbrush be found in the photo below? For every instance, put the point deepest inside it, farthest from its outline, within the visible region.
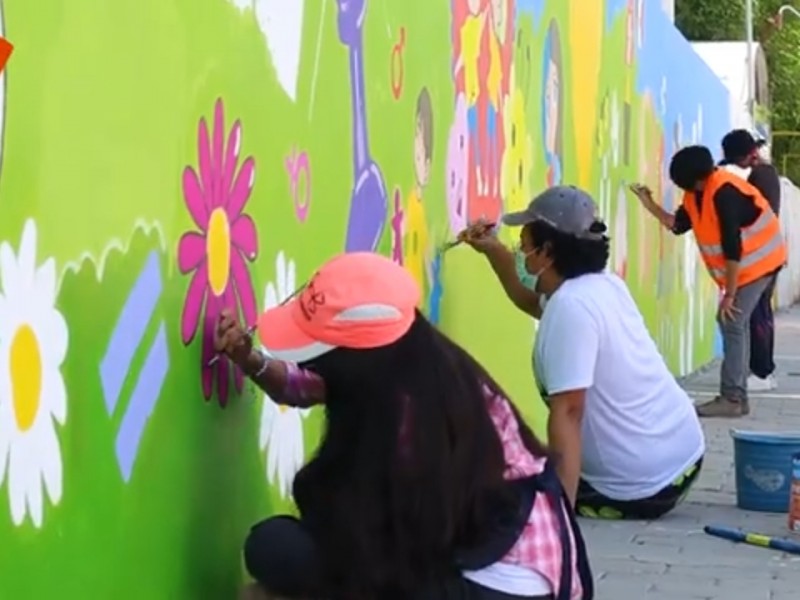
(477, 227)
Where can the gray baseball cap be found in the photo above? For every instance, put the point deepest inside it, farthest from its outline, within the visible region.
(566, 208)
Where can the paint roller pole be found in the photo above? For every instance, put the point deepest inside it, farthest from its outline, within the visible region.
(754, 539)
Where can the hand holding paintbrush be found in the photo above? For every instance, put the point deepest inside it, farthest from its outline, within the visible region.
(234, 341)
(475, 231)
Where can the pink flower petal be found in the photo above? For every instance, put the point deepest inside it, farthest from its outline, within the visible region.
(238, 379)
(207, 373)
(220, 195)
(242, 188)
(244, 237)
(223, 381)
(231, 157)
(196, 200)
(228, 301)
(244, 288)
(228, 298)
(192, 308)
(209, 323)
(204, 160)
(191, 251)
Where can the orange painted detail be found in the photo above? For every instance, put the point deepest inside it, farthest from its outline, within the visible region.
(6, 48)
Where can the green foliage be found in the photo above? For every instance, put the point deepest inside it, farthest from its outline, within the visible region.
(717, 21)
(701, 20)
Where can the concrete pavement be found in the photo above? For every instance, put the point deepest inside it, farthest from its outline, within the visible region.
(672, 559)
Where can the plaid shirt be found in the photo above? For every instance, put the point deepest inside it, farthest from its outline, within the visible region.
(539, 546)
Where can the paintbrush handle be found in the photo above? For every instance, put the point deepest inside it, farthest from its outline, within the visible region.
(215, 359)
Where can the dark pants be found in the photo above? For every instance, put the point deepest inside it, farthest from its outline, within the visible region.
(594, 505)
(762, 335)
(282, 556)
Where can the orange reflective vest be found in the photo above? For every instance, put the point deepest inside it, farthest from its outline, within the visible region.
(763, 248)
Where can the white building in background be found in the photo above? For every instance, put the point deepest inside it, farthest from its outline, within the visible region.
(728, 60)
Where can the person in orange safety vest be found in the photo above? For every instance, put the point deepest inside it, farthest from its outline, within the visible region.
(740, 242)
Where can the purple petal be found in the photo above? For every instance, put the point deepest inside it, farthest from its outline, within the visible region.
(216, 154)
(204, 159)
(231, 156)
(209, 323)
(244, 237)
(223, 381)
(242, 188)
(196, 200)
(192, 308)
(244, 288)
(191, 251)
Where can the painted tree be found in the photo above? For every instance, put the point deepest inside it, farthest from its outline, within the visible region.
(700, 20)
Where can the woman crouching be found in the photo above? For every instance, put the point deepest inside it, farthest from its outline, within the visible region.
(427, 483)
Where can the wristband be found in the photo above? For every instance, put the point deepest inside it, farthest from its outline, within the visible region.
(262, 368)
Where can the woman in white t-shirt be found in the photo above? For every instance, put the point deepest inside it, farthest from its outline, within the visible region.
(627, 436)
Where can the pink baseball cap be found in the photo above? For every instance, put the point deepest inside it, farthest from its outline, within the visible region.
(355, 300)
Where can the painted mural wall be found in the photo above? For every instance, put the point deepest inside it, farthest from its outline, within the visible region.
(163, 159)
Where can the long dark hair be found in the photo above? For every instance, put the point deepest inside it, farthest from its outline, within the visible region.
(410, 468)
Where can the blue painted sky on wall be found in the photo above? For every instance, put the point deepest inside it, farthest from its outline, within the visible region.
(532, 8)
(681, 83)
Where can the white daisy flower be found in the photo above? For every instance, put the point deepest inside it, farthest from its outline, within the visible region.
(281, 434)
(33, 344)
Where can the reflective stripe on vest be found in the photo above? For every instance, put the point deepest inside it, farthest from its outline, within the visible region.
(751, 259)
(763, 248)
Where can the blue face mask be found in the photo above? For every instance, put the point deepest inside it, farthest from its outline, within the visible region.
(528, 280)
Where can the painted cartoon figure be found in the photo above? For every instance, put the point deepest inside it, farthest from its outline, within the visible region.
(416, 249)
(457, 167)
(368, 202)
(553, 105)
(518, 153)
(494, 87)
(471, 34)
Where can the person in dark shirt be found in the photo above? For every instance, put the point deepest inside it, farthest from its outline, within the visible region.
(742, 270)
(740, 148)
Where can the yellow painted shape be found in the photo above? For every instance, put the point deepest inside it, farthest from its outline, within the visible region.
(585, 43)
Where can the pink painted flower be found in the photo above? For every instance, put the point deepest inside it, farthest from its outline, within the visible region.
(215, 195)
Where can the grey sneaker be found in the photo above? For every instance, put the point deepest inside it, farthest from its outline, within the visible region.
(723, 407)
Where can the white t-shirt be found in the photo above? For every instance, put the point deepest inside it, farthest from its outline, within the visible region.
(640, 429)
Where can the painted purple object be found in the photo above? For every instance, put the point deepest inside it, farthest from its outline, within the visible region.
(130, 331)
(142, 402)
(368, 200)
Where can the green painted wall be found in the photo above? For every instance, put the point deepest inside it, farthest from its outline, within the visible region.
(148, 155)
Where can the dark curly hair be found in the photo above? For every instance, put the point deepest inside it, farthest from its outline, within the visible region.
(572, 256)
(690, 165)
(410, 468)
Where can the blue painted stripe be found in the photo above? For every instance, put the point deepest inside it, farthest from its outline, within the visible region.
(129, 330)
(143, 400)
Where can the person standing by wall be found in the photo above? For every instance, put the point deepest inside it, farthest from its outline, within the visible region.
(741, 149)
(740, 241)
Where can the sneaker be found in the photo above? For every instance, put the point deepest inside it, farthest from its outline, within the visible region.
(723, 407)
(756, 384)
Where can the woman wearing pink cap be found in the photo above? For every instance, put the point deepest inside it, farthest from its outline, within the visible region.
(427, 483)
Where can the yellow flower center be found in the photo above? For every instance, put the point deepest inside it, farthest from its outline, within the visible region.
(26, 376)
(218, 250)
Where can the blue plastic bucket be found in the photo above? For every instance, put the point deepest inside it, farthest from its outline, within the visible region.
(763, 463)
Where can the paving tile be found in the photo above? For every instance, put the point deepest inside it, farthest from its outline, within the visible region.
(673, 559)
